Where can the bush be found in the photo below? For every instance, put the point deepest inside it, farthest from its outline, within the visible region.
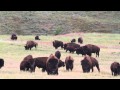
(58, 31)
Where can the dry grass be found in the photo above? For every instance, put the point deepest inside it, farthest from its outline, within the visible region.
(13, 52)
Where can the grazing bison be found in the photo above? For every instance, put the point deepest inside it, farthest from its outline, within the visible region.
(1, 62)
(69, 63)
(115, 68)
(37, 38)
(52, 65)
(73, 40)
(30, 44)
(57, 44)
(71, 44)
(83, 50)
(88, 49)
(27, 64)
(70, 49)
(80, 40)
(88, 63)
(40, 62)
(58, 54)
(13, 37)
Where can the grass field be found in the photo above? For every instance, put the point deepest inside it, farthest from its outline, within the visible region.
(13, 53)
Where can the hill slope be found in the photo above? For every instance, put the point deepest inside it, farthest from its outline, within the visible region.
(59, 22)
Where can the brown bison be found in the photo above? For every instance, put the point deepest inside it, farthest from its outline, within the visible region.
(57, 44)
(88, 49)
(71, 44)
(88, 63)
(80, 40)
(69, 63)
(13, 37)
(58, 54)
(83, 50)
(115, 68)
(40, 62)
(52, 65)
(37, 38)
(30, 44)
(27, 64)
(71, 49)
(1, 62)
(73, 40)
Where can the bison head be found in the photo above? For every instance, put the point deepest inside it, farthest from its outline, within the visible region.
(26, 47)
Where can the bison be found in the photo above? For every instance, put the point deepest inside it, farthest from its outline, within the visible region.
(88, 63)
(88, 49)
(57, 44)
(30, 44)
(1, 62)
(70, 49)
(80, 40)
(71, 44)
(115, 68)
(27, 64)
(73, 40)
(13, 37)
(40, 62)
(52, 65)
(58, 54)
(37, 38)
(83, 50)
(69, 63)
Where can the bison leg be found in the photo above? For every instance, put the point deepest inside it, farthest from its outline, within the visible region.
(98, 67)
(92, 69)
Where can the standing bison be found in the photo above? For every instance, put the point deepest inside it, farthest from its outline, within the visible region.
(52, 65)
(30, 44)
(57, 44)
(13, 37)
(58, 54)
(115, 68)
(88, 63)
(37, 38)
(69, 63)
(1, 62)
(80, 40)
(27, 64)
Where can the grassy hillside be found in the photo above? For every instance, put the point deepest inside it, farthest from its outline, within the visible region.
(58, 22)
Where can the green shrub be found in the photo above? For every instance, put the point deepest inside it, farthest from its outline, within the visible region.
(58, 31)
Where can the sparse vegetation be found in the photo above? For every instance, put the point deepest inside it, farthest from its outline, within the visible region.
(46, 22)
